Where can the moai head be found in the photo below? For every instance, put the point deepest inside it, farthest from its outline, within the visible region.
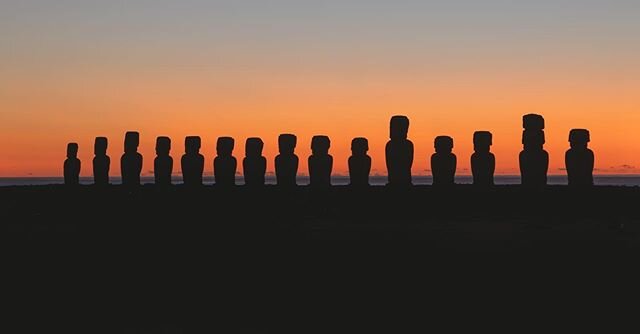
(320, 145)
(399, 127)
(224, 146)
(359, 146)
(533, 139)
(192, 144)
(100, 146)
(533, 122)
(253, 147)
(163, 146)
(443, 144)
(287, 143)
(579, 138)
(72, 150)
(131, 141)
(482, 141)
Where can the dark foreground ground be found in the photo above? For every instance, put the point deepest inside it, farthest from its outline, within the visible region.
(312, 260)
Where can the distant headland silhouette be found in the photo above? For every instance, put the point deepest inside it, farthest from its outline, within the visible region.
(399, 155)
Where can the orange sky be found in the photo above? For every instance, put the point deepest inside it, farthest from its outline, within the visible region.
(63, 108)
(72, 75)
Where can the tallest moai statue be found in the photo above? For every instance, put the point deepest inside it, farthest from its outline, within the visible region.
(399, 152)
(534, 160)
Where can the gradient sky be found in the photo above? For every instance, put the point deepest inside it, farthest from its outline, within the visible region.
(73, 70)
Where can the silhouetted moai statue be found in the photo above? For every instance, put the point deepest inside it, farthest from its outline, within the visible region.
(443, 162)
(192, 162)
(163, 163)
(579, 159)
(320, 162)
(131, 161)
(254, 165)
(286, 161)
(359, 162)
(101, 162)
(225, 165)
(534, 160)
(483, 162)
(72, 166)
(399, 153)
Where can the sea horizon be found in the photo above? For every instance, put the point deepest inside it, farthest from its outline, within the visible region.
(559, 179)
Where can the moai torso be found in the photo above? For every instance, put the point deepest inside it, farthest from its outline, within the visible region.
(483, 162)
(101, 165)
(163, 163)
(483, 166)
(72, 166)
(72, 171)
(254, 169)
(399, 157)
(320, 162)
(443, 168)
(225, 165)
(192, 162)
(163, 167)
(286, 161)
(359, 162)
(534, 165)
(579, 159)
(101, 162)
(131, 167)
(579, 163)
(443, 162)
(131, 160)
(254, 165)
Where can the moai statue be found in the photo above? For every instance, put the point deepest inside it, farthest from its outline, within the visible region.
(192, 162)
(579, 159)
(286, 161)
(483, 162)
(443, 162)
(359, 162)
(254, 165)
(72, 166)
(163, 164)
(320, 162)
(399, 153)
(225, 165)
(101, 162)
(131, 160)
(534, 160)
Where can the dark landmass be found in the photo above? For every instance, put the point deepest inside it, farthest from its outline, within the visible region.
(271, 259)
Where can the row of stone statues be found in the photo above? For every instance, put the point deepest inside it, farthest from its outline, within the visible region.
(534, 160)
